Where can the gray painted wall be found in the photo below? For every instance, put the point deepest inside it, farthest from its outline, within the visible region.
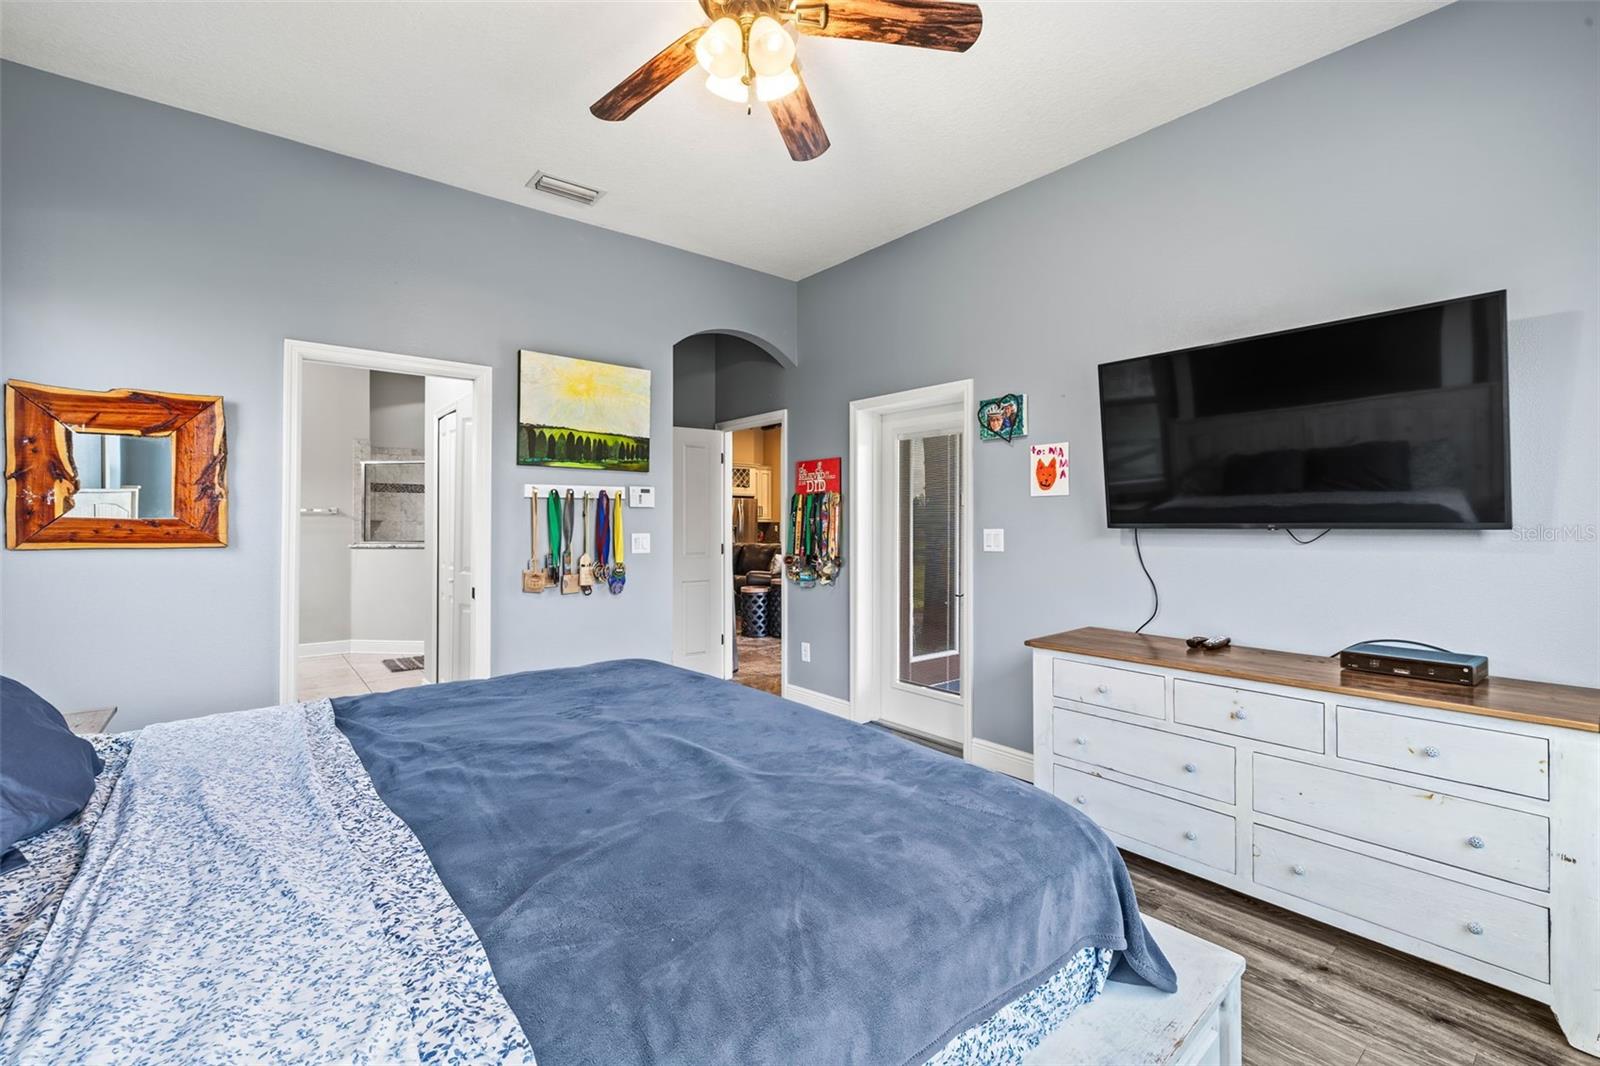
(397, 413)
(150, 247)
(1453, 155)
(336, 413)
(694, 388)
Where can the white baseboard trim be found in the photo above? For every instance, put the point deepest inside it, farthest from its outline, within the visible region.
(820, 700)
(1007, 760)
(361, 647)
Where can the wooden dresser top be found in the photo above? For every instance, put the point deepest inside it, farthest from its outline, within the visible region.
(1563, 706)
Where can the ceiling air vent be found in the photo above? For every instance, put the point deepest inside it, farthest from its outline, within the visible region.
(567, 190)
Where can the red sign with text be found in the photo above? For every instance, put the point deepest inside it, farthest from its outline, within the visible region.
(817, 475)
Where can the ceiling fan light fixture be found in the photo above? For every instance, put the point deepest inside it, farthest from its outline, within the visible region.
(776, 86)
(730, 89)
(771, 47)
(720, 50)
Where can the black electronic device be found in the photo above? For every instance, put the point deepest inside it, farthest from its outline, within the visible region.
(1424, 664)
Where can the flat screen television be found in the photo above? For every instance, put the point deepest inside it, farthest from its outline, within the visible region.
(1389, 421)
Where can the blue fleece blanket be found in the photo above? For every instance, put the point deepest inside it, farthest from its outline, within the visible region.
(665, 867)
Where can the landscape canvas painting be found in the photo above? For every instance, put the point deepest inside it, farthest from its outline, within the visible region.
(580, 413)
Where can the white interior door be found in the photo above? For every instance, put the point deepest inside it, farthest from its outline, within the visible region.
(920, 639)
(701, 578)
(454, 452)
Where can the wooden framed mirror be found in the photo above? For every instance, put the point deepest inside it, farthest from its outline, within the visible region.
(116, 469)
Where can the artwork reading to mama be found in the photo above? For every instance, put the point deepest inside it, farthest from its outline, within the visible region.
(1047, 469)
(1003, 417)
(580, 413)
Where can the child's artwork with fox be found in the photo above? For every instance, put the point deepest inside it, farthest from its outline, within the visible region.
(1047, 469)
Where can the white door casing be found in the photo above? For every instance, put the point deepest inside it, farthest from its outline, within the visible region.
(701, 574)
(862, 490)
(917, 707)
(479, 381)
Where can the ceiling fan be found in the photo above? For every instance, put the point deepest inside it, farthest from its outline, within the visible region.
(748, 53)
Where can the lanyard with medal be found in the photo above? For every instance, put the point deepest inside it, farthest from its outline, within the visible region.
(533, 578)
(602, 538)
(569, 577)
(585, 563)
(619, 573)
(552, 559)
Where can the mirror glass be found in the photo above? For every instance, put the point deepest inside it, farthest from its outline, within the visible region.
(121, 476)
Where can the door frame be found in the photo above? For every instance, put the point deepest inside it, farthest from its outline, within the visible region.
(296, 354)
(866, 442)
(785, 491)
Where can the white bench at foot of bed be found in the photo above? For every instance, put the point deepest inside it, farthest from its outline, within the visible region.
(1198, 1025)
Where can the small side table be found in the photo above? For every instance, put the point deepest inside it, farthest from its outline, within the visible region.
(753, 609)
(92, 721)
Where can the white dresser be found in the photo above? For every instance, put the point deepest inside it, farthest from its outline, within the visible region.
(1461, 825)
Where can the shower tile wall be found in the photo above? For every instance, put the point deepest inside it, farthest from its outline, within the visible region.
(391, 501)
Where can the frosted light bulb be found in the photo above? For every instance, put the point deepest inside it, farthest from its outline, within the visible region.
(777, 86)
(771, 47)
(720, 50)
(733, 89)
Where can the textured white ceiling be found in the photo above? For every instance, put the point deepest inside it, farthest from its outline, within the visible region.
(481, 95)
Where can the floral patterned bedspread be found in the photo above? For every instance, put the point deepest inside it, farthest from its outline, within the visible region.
(243, 896)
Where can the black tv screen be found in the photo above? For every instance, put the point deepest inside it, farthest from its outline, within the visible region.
(1396, 420)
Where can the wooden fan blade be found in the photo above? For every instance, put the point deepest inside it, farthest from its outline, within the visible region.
(638, 88)
(797, 121)
(949, 27)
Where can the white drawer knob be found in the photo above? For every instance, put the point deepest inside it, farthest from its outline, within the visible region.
(1191, 835)
(1102, 689)
(1240, 715)
(1080, 740)
(1474, 928)
(1475, 842)
(1189, 768)
(1299, 869)
(1080, 799)
(1431, 752)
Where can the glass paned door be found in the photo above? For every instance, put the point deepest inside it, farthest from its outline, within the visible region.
(928, 551)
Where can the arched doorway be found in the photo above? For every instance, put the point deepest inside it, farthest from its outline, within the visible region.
(730, 490)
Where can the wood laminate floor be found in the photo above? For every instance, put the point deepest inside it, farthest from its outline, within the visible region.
(1315, 994)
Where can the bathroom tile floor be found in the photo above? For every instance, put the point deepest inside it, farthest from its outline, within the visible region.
(326, 676)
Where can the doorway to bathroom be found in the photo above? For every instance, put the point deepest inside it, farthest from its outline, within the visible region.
(386, 467)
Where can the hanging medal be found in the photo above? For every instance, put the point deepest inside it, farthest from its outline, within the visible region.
(569, 576)
(585, 563)
(552, 558)
(533, 576)
(602, 538)
(791, 562)
(619, 573)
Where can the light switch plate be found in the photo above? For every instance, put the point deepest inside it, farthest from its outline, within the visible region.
(805, 651)
(994, 540)
(641, 496)
(641, 544)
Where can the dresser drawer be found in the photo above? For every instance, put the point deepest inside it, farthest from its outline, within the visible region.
(1262, 716)
(1494, 841)
(1509, 762)
(1495, 929)
(1169, 824)
(1197, 766)
(1111, 686)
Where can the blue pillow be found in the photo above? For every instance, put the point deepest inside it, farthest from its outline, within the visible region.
(46, 773)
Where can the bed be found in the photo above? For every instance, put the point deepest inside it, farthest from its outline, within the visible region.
(624, 862)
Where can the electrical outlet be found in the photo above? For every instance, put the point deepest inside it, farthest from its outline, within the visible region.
(994, 540)
(805, 651)
(641, 544)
